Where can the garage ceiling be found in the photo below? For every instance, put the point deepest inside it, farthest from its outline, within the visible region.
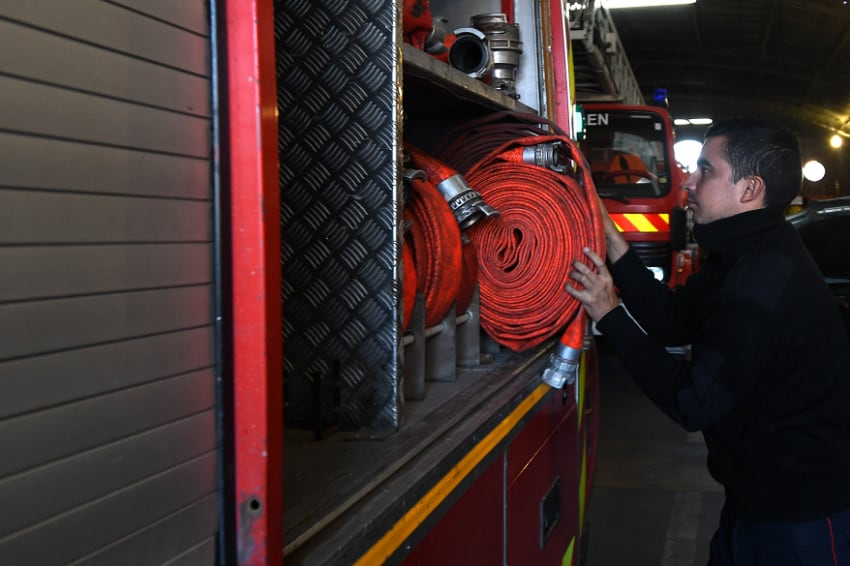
(783, 60)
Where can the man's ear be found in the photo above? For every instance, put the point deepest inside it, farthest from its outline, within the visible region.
(754, 189)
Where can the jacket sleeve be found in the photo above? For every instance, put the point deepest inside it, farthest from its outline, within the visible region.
(734, 345)
(663, 314)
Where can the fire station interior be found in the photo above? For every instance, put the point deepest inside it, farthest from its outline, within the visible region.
(652, 502)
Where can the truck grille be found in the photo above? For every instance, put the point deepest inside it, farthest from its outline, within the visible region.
(654, 254)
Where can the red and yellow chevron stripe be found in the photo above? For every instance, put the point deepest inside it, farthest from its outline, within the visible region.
(636, 222)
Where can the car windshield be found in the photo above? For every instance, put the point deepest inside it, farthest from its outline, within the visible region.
(626, 151)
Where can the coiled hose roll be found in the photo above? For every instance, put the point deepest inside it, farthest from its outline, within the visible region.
(471, 142)
(435, 241)
(525, 255)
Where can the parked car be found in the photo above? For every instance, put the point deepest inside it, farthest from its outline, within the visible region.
(824, 226)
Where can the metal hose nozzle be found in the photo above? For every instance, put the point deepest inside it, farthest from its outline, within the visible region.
(505, 47)
(466, 203)
(469, 53)
(563, 367)
(549, 155)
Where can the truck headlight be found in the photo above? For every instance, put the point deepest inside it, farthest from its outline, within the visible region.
(657, 272)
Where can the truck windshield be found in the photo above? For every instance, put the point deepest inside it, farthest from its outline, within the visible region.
(626, 151)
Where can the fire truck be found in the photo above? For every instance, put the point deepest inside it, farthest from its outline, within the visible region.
(222, 225)
(629, 145)
(630, 149)
(416, 433)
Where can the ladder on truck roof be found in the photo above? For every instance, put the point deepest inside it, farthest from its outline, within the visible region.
(602, 70)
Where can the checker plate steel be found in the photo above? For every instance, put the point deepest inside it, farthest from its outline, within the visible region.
(339, 126)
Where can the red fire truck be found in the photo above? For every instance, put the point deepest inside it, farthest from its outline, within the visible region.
(410, 441)
(630, 146)
(630, 149)
(209, 354)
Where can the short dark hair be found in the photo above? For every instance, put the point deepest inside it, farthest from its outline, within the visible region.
(756, 147)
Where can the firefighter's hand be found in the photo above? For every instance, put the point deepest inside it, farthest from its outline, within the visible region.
(596, 286)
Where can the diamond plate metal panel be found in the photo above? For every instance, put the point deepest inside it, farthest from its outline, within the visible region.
(338, 75)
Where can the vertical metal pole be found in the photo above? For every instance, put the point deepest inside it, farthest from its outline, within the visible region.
(251, 130)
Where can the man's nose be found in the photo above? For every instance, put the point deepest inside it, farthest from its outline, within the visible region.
(690, 183)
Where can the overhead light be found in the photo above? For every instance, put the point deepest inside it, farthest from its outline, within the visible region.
(687, 153)
(617, 4)
(835, 141)
(814, 171)
(692, 121)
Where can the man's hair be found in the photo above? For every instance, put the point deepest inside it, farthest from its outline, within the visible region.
(756, 147)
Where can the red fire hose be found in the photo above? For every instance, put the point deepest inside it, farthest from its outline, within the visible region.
(526, 254)
(529, 234)
(474, 140)
(434, 238)
(418, 24)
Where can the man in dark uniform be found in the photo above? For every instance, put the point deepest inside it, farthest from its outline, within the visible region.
(768, 378)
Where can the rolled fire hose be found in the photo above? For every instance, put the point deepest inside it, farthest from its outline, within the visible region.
(525, 255)
(465, 202)
(469, 143)
(435, 242)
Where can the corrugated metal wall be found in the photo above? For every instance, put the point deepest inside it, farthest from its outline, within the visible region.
(107, 377)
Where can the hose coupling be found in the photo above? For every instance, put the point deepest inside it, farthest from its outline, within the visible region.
(470, 55)
(441, 38)
(410, 175)
(466, 203)
(563, 367)
(549, 155)
(505, 48)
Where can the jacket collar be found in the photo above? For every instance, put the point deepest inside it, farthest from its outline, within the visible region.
(733, 236)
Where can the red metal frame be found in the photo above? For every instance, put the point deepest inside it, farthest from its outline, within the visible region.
(256, 278)
(562, 112)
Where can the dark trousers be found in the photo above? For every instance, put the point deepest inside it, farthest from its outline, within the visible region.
(822, 542)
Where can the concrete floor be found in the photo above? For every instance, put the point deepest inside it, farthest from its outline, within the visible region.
(653, 501)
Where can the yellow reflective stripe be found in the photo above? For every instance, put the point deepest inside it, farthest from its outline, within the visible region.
(405, 526)
(582, 397)
(567, 559)
(641, 222)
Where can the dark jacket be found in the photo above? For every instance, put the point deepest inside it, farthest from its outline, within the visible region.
(768, 380)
